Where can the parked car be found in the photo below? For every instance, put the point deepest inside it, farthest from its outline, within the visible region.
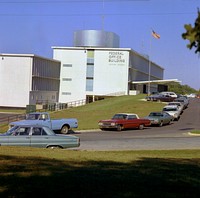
(160, 98)
(179, 104)
(159, 118)
(183, 100)
(122, 121)
(169, 93)
(43, 118)
(37, 136)
(192, 95)
(173, 110)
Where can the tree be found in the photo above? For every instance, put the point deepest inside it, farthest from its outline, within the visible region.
(180, 89)
(193, 34)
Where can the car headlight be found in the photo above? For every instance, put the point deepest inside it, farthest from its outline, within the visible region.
(155, 120)
(112, 123)
(100, 123)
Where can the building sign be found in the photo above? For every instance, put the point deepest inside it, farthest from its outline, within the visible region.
(116, 58)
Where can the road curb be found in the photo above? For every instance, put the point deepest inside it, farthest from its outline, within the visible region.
(194, 134)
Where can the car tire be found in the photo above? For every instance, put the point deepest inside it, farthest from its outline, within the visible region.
(141, 126)
(119, 127)
(161, 124)
(54, 147)
(65, 129)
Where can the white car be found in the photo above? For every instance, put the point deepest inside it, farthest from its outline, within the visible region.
(169, 93)
(173, 110)
(179, 104)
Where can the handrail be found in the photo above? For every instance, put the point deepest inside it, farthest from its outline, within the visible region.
(7, 120)
(49, 107)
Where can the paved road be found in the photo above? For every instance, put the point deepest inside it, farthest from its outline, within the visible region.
(174, 136)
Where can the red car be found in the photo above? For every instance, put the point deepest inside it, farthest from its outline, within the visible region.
(122, 121)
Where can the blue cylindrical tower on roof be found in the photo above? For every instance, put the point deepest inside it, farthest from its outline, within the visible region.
(96, 38)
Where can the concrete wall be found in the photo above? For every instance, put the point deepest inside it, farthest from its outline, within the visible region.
(73, 74)
(15, 80)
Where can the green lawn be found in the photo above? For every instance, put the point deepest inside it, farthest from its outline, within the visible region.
(30, 172)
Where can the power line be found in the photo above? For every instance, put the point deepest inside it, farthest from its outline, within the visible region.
(68, 1)
(100, 14)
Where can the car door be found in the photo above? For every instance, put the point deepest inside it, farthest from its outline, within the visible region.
(21, 137)
(131, 122)
(4, 140)
(39, 137)
(167, 117)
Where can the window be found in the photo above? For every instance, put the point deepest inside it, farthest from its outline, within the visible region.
(90, 53)
(89, 84)
(66, 93)
(23, 131)
(131, 117)
(90, 71)
(67, 79)
(36, 131)
(67, 65)
(43, 117)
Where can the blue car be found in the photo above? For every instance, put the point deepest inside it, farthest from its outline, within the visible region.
(37, 136)
(159, 118)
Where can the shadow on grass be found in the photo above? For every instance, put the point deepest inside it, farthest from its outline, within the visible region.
(147, 177)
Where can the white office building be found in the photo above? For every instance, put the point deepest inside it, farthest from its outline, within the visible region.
(27, 79)
(96, 68)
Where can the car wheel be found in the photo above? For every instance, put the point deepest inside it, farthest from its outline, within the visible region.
(65, 129)
(54, 147)
(141, 127)
(161, 124)
(119, 127)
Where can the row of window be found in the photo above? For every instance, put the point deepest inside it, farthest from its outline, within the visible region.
(45, 68)
(41, 84)
(89, 72)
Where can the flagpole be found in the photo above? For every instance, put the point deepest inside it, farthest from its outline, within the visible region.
(149, 73)
(157, 36)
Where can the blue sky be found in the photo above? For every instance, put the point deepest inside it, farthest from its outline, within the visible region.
(34, 26)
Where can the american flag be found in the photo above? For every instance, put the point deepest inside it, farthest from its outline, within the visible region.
(155, 35)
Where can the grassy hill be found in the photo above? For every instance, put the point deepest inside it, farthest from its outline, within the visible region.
(89, 115)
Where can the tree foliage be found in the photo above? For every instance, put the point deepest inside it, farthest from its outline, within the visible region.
(193, 34)
(180, 89)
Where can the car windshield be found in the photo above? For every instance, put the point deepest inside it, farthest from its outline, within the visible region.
(48, 131)
(174, 103)
(169, 109)
(32, 116)
(155, 114)
(11, 130)
(119, 116)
